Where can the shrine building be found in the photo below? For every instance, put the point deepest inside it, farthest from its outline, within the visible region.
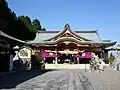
(70, 46)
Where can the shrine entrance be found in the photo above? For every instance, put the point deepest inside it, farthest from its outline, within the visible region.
(50, 60)
(66, 52)
(67, 58)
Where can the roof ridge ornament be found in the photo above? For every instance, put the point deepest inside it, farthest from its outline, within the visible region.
(67, 26)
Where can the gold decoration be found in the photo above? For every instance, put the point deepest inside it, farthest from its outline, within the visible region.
(23, 53)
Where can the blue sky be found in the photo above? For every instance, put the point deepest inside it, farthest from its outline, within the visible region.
(102, 15)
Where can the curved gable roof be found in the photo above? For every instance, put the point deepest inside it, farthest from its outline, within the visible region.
(67, 28)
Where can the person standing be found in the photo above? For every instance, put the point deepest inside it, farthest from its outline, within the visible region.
(100, 67)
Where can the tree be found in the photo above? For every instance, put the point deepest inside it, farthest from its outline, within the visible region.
(13, 26)
(14, 15)
(19, 27)
(5, 16)
(112, 58)
(43, 29)
(26, 20)
(36, 25)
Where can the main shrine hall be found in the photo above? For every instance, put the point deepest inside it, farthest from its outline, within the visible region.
(70, 46)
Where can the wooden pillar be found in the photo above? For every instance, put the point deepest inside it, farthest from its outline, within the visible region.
(105, 55)
(101, 54)
(77, 55)
(77, 59)
(44, 58)
(56, 62)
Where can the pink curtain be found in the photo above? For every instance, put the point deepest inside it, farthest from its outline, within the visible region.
(87, 55)
(46, 54)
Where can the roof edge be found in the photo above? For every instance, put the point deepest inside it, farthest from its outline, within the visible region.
(91, 31)
(10, 37)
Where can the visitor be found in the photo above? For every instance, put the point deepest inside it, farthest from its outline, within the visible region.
(100, 67)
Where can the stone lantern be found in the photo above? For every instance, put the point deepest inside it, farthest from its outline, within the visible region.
(118, 50)
(16, 49)
(118, 58)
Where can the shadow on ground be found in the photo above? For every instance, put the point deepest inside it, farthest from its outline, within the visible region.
(9, 81)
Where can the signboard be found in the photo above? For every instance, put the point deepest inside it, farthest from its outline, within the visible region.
(25, 53)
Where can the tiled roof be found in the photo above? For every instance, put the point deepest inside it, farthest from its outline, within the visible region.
(57, 31)
(92, 37)
(10, 37)
(43, 35)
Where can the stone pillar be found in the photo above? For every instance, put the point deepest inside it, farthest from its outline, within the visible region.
(11, 63)
(10, 58)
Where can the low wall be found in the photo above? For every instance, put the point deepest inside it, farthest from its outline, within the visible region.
(68, 66)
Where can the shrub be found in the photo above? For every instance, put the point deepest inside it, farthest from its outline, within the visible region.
(112, 58)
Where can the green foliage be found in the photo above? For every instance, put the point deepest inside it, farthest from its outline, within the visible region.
(112, 58)
(11, 25)
(36, 25)
(19, 27)
(26, 21)
(43, 29)
(14, 15)
(39, 58)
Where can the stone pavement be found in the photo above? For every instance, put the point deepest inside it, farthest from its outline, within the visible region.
(75, 79)
(106, 80)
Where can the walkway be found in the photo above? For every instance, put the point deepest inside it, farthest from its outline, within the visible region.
(74, 79)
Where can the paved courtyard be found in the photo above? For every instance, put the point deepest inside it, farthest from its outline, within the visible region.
(70, 79)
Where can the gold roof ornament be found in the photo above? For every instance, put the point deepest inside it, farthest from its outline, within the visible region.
(67, 26)
(67, 51)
